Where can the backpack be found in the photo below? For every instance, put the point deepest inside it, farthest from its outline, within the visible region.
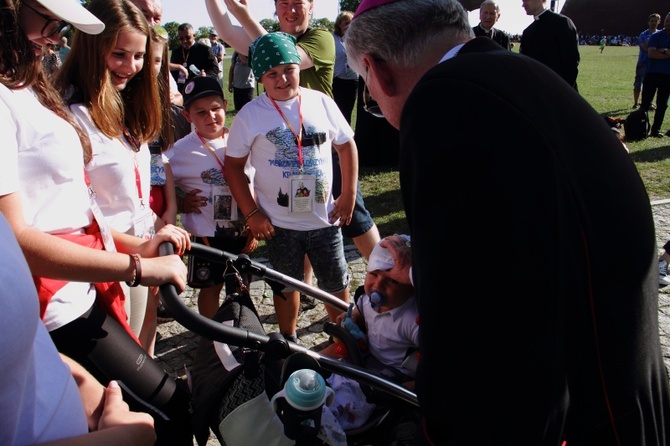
(637, 125)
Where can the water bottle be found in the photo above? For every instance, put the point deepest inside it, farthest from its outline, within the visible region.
(300, 402)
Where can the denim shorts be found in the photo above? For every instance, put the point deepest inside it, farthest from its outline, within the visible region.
(361, 220)
(325, 249)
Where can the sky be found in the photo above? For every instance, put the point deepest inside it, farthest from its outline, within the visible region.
(513, 18)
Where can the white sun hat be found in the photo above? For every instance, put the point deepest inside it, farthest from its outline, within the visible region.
(75, 14)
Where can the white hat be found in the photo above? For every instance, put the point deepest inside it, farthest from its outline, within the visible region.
(381, 258)
(74, 13)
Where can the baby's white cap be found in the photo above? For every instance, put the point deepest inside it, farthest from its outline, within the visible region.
(381, 258)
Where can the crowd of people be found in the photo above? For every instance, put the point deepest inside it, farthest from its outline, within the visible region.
(108, 140)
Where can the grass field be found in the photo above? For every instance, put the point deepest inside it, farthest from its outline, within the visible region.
(605, 81)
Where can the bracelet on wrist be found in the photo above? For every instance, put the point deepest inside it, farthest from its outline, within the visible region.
(250, 214)
(137, 276)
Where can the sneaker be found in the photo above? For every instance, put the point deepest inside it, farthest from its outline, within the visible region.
(163, 314)
(307, 302)
(658, 134)
(636, 106)
(652, 107)
(663, 278)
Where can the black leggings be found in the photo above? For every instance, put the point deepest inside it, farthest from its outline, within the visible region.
(103, 347)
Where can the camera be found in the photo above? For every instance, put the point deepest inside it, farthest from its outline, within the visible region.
(313, 139)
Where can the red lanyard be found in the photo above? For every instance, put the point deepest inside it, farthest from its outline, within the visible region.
(298, 134)
(134, 145)
(223, 171)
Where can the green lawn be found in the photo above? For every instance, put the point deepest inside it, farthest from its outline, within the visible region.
(605, 81)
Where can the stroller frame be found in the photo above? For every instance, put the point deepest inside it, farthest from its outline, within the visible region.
(274, 344)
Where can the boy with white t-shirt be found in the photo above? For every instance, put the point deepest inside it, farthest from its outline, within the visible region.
(197, 163)
(287, 134)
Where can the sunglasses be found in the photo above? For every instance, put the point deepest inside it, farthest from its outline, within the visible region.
(52, 26)
(373, 109)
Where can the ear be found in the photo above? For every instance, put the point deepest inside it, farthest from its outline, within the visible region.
(384, 75)
(186, 115)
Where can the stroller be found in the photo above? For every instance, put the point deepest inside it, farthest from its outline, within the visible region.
(238, 369)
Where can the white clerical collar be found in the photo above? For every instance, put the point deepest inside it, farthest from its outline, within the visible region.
(452, 52)
(537, 17)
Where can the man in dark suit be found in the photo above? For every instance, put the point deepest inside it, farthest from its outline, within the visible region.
(191, 53)
(552, 39)
(489, 13)
(573, 354)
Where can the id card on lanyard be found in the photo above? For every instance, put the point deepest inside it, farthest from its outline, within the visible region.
(105, 230)
(143, 218)
(303, 186)
(224, 206)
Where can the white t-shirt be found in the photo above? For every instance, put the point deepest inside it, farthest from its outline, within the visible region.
(39, 399)
(195, 167)
(42, 160)
(260, 132)
(112, 172)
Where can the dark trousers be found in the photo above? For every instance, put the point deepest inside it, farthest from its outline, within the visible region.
(344, 94)
(659, 84)
(241, 96)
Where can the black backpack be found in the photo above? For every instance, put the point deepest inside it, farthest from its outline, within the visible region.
(636, 125)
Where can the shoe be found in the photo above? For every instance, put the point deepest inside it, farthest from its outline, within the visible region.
(652, 107)
(658, 134)
(163, 314)
(307, 302)
(636, 106)
(663, 278)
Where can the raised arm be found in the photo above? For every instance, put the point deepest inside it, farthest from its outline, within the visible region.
(238, 37)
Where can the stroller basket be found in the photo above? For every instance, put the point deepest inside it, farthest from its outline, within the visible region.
(273, 346)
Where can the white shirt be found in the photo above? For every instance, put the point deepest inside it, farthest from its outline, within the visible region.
(42, 160)
(260, 132)
(112, 174)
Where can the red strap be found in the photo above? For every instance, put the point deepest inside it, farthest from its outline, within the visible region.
(109, 295)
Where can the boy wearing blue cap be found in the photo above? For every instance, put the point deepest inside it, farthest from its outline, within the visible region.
(287, 135)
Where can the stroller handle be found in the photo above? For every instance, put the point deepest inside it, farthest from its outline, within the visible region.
(273, 344)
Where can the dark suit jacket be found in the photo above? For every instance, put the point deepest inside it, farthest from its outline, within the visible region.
(199, 55)
(499, 36)
(553, 40)
(538, 288)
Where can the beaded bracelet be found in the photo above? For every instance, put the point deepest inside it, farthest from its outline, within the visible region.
(138, 271)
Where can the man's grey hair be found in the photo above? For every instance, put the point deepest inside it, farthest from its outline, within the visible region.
(400, 32)
(490, 2)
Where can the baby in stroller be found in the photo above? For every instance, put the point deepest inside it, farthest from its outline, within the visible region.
(386, 313)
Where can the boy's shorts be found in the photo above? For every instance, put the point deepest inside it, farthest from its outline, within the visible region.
(361, 220)
(203, 273)
(325, 249)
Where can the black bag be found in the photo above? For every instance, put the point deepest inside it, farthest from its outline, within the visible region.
(203, 273)
(637, 125)
(216, 390)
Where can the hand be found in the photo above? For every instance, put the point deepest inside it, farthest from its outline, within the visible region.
(260, 227)
(168, 233)
(116, 413)
(165, 269)
(401, 250)
(343, 209)
(252, 243)
(192, 202)
(237, 7)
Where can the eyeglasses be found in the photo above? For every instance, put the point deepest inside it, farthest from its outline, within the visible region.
(52, 26)
(373, 109)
